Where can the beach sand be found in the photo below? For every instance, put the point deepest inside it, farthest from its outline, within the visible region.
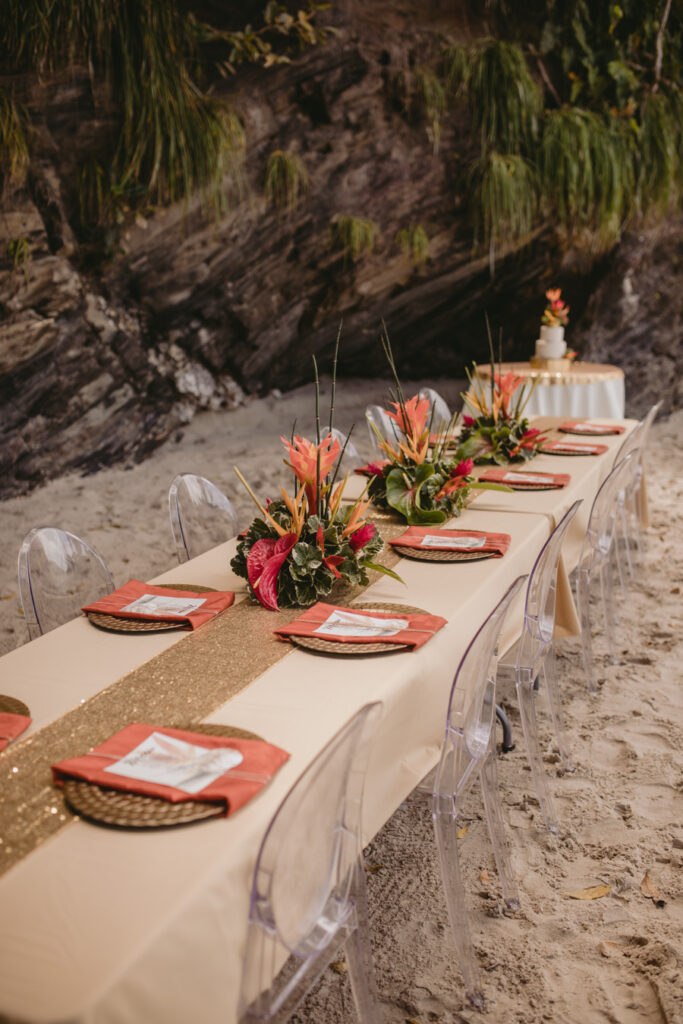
(616, 959)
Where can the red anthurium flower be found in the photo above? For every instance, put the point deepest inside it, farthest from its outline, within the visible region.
(329, 561)
(362, 536)
(375, 468)
(457, 479)
(303, 458)
(264, 561)
(468, 421)
(531, 438)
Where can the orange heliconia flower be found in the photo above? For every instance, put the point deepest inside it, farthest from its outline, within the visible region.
(504, 390)
(303, 459)
(412, 423)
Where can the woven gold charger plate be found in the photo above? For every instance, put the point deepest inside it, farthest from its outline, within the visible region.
(434, 555)
(106, 806)
(550, 451)
(321, 646)
(114, 624)
(589, 433)
(12, 706)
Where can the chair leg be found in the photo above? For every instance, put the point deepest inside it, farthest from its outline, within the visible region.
(445, 830)
(583, 588)
(358, 952)
(496, 824)
(508, 745)
(527, 696)
(550, 676)
(607, 592)
(627, 538)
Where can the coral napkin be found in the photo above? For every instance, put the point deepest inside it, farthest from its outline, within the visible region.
(524, 478)
(434, 539)
(137, 600)
(355, 626)
(11, 726)
(258, 762)
(585, 427)
(571, 448)
(372, 468)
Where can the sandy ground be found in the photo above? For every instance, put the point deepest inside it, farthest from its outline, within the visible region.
(616, 959)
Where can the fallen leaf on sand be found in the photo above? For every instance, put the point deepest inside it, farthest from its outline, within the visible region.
(593, 892)
(339, 967)
(8, 597)
(651, 892)
(462, 831)
(484, 876)
(372, 869)
(610, 948)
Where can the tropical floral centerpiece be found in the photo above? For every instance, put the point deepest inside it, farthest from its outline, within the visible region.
(498, 432)
(304, 542)
(556, 313)
(423, 479)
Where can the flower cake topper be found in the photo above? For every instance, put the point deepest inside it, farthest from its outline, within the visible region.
(556, 313)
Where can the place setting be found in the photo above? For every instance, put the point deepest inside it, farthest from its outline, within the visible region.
(573, 448)
(588, 429)
(14, 719)
(367, 628)
(139, 607)
(526, 481)
(434, 544)
(149, 777)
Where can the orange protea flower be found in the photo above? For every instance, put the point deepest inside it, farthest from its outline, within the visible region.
(303, 460)
(553, 294)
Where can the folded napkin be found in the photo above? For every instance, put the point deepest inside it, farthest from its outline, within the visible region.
(137, 600)
(573, 448)
(591, 428)
(434, 539)
(11, 726)
(212, 769)
(511, 477)
(355, 626)
(372, 468)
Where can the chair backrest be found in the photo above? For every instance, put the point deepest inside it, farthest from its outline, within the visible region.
(637, 441)
(350, 458)
(472, 706)
(304, 880)
(201, 516)
(600, 531)
(58, 573)
(631, 442)
(375, 414)
(439, 413)
(541, 592)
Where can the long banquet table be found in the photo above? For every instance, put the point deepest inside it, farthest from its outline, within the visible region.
(110, 927)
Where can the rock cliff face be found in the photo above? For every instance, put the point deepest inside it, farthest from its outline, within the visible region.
(100, 362)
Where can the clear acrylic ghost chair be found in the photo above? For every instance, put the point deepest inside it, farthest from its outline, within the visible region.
(595, 563)
(631, 523)
(536, 658)
(468, 753)
(58, 573)
(439, 413)
(376, 417)
(308, 893)
(623, 538)
(350, 458)
(201, 516)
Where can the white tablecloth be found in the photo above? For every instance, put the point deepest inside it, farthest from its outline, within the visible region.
(585, 390)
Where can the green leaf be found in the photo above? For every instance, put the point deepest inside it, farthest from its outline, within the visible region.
(381, 568)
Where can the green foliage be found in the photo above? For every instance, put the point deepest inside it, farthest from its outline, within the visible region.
(13, 141)
(430, 96)
(414, 241)
(504, 200)
(353, 236)
(146, 60)
(19, 252)
(504, 100)
(286, 180)
(660, 177)
(587, 165)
